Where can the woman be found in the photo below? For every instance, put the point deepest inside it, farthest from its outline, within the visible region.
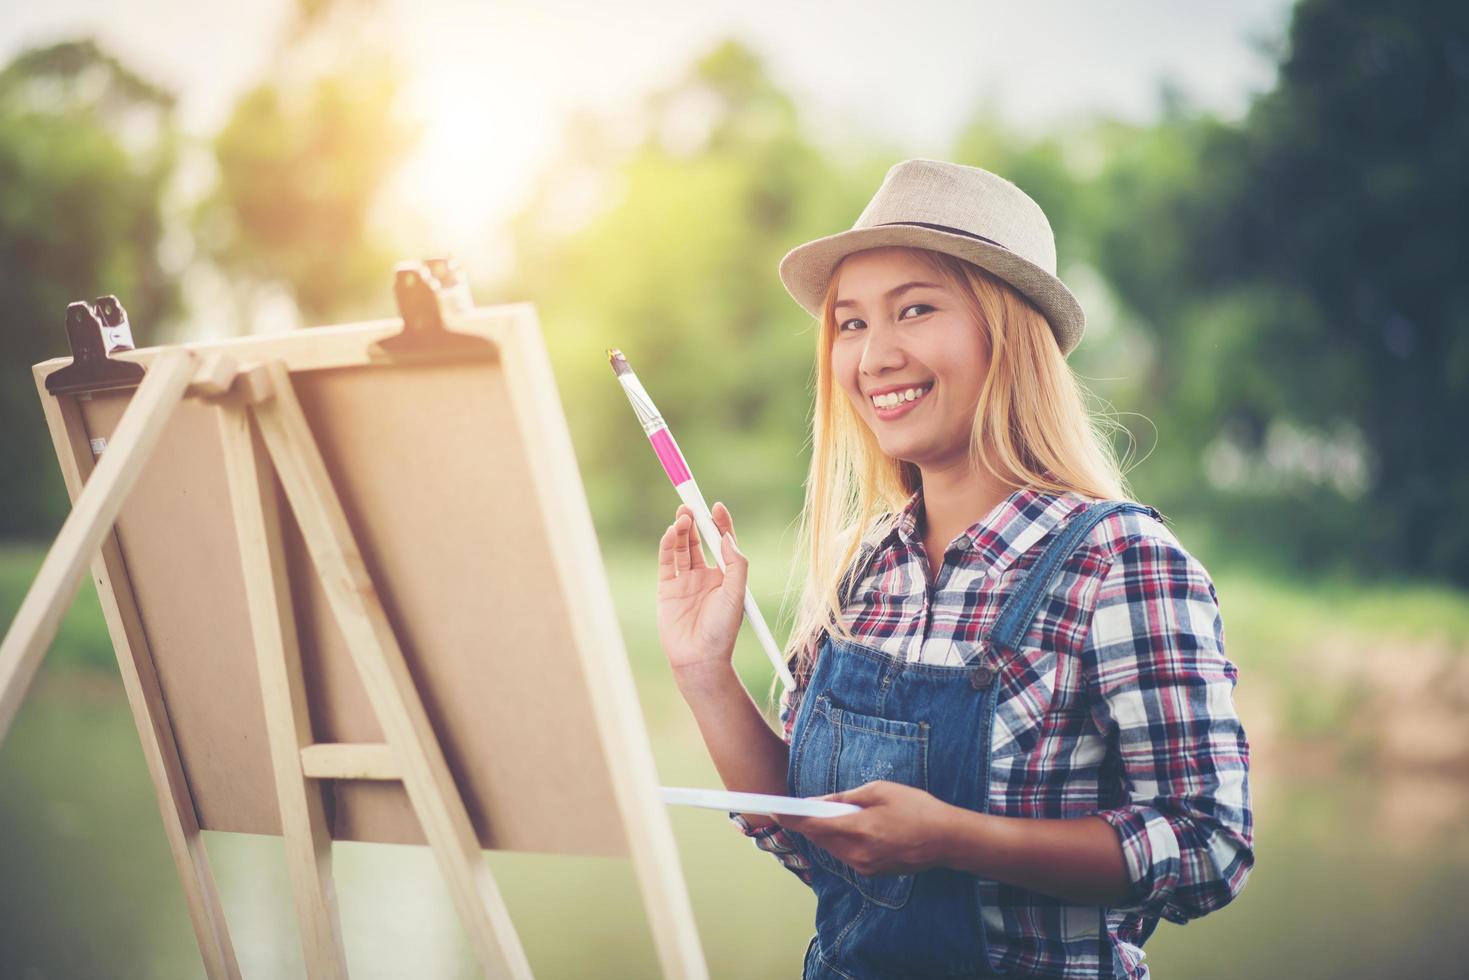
(1017, 673)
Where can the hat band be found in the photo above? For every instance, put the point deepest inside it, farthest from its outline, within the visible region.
(946, 228)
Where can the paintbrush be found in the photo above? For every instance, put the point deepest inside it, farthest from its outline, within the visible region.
(678, 471)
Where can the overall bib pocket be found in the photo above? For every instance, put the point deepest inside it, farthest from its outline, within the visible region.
(839, 750)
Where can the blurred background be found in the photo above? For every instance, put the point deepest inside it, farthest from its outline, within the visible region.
(1262, 206)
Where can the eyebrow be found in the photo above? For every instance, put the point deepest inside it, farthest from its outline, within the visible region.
(891, 293)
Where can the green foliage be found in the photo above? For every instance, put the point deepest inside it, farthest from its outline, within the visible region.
(86, 152)
(1287, 350)
(302, 161)
(680, 274)
(300, 166)
(1276, 305)
(1306, 268)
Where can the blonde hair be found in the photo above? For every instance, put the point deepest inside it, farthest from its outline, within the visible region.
(1031, 428)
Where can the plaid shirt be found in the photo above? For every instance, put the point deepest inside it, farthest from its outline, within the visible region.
(1119, 705)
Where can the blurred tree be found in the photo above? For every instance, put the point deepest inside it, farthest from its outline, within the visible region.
(301, 162)
(1142, 211)
(669, 252)
(1304, 277)
(86, 150)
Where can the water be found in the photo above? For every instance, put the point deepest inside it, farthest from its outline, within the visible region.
(1357, 876)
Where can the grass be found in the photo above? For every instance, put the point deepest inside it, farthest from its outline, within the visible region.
(1271, 620)
(1271, 612)
(82, 640)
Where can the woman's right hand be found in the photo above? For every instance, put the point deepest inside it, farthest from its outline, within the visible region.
(699, 606)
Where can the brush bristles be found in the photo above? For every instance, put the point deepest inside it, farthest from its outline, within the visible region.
(618, 362)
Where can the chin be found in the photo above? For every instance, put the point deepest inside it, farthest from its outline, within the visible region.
(903, 454)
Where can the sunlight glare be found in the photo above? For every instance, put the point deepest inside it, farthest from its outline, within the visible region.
(479, 145)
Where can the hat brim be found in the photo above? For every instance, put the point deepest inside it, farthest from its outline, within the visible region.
(806, 270)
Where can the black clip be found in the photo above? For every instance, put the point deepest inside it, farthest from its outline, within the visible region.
(425, 292)
(94, 332)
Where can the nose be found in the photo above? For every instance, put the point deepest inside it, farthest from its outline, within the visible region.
(881, 351)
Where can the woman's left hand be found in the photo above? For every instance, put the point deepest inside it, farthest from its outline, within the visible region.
(899, 830)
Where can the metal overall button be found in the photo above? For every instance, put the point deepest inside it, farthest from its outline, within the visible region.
(982, 675)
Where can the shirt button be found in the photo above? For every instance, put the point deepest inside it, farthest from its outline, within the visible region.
(981, 677)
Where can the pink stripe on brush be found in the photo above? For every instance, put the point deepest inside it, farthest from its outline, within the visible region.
(669, 456)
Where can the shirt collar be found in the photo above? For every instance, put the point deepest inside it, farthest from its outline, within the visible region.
(1006, 532)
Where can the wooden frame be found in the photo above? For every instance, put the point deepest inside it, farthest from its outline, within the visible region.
(250, 390)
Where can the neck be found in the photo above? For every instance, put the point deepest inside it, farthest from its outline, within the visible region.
(955, 497)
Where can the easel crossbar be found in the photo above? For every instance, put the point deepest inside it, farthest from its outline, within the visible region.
(348, 760)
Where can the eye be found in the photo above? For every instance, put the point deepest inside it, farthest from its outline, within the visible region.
(842, 326)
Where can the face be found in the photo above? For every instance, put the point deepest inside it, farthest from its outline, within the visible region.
(899, 330)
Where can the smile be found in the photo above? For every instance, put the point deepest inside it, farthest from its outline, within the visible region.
(896, 404)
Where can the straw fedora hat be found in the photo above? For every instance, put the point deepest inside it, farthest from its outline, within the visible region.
(962, 211)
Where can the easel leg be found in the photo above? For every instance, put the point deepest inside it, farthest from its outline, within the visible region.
(288, 722)
(649, 832)
(384, 673)
(155, 734)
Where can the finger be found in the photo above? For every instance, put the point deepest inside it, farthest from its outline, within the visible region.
(863, 795)
(696, 551)
(666, 568)
(790, 821)
(681, 527)
(722, 519)
(736, 570)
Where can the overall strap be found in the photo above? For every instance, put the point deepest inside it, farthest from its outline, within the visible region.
(1016, 615)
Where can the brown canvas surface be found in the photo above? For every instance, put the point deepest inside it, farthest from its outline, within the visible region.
(434, 477)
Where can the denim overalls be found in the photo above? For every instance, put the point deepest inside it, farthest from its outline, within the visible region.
(867, 716)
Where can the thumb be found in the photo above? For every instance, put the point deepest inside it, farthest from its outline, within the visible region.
(736, 569)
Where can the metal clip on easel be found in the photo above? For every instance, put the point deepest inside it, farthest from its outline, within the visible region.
(428, 291)
(94, 331)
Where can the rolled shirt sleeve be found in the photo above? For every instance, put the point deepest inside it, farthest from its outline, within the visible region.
(771, 837)
(1162, 691)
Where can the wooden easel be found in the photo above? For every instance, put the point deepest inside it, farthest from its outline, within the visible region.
(267, 438)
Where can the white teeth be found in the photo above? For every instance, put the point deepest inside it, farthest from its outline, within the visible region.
(893, 399)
